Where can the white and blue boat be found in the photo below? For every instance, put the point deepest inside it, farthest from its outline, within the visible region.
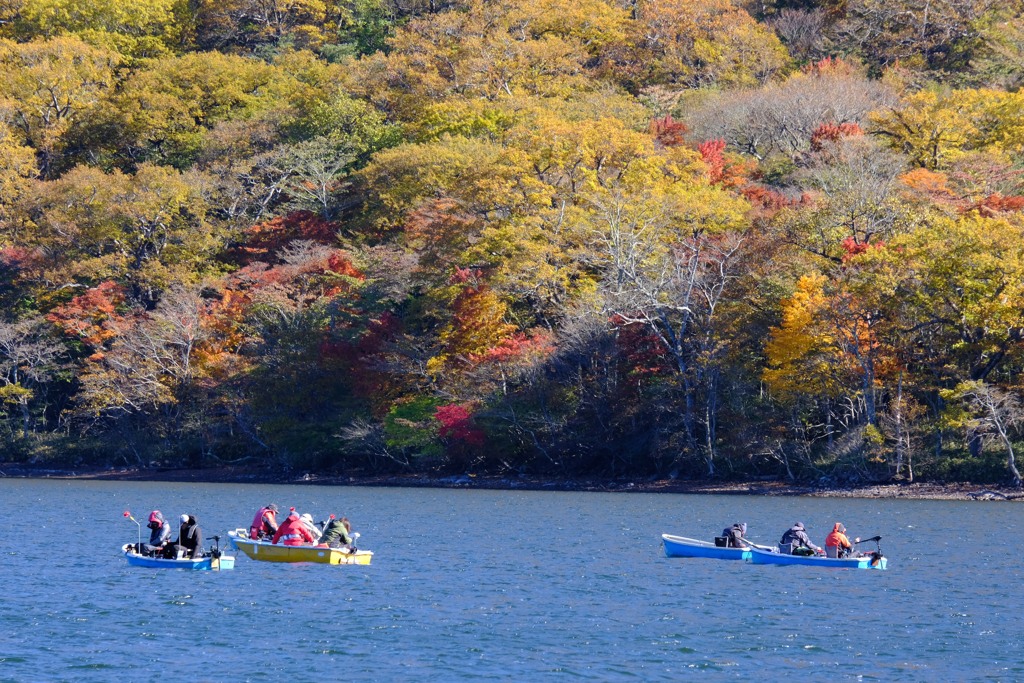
(216, 560)
(680, 546)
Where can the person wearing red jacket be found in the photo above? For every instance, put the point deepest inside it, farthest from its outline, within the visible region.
(837, 544)
(293, 531)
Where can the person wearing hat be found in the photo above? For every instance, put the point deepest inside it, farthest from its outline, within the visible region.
(190, 538)
(159, 536)
(735, 535)
(314, 530)
(797, 542)
(292, 531)
(264, 524)
(837, 544)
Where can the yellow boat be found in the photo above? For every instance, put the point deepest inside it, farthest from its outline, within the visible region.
(266, 551)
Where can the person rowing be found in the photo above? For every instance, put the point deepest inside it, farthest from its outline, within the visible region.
(735, 536)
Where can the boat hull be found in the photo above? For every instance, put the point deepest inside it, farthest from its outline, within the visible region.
(865, 562)
(268, 552)
(201, 564)
(680, 546)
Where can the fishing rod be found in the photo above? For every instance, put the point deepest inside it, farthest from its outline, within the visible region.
(138, 546)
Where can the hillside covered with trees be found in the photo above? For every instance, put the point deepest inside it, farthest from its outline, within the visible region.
(664, 238)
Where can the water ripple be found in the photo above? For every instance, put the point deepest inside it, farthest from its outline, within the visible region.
(511, 586)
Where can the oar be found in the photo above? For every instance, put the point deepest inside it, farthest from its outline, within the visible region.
(769, 548)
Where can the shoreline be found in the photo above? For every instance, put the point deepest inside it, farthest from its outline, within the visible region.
(234, 475)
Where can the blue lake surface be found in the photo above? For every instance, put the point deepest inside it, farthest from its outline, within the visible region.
(505, 585)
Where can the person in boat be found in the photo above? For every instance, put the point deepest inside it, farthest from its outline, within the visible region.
(292, 531)
(735, 535)
(190, 538)
(337, 534)
(264, 524)
(798, 542)
(160, 534)
(314, 530)
(837, 544)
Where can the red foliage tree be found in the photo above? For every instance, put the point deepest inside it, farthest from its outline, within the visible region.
(767, 200)
(263, 240)
(995, 204)
(833, 132)
(852, 247)
(830, 65)
(457, 425)
(668, 132)
(517, 347)
(88, 317)
(463, 276)
(712, 152)
(642, 352)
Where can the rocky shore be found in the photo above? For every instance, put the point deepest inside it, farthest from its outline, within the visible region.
(915, 491)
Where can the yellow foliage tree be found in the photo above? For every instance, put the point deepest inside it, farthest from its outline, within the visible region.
(48, 85)
(699, 43)
(149, 229)
(138, 28)
(493, 51)
(801, 352)
(935, 129)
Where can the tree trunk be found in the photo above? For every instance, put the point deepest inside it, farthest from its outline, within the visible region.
(25, 417)
(1011, 460)
(898, 418)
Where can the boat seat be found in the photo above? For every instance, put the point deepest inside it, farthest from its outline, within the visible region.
(832, 551)
(721, 541)
(786, 548)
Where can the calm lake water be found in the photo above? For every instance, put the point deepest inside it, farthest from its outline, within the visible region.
(505, 586)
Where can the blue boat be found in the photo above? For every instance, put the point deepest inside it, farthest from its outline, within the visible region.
(215, 561)
(873, 560)
(680, 546)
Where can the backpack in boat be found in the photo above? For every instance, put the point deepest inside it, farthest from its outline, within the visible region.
(803, 551)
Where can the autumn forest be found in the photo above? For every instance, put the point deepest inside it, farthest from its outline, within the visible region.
(578, 238)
